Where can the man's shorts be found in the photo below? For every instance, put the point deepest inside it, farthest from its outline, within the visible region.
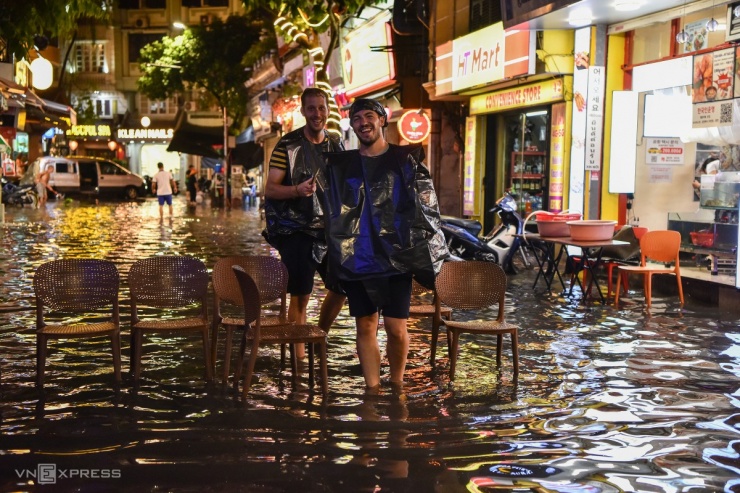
(296, 252)
(164, 199)
(390, 296)
(41, 190)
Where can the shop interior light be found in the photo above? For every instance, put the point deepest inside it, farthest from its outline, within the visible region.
(712, 23)
(628, 5)
(682, 35)
(536, 113)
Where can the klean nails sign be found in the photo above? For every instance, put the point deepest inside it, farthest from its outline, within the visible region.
(144, 133)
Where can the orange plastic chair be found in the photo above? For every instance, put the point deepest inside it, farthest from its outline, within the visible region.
(660, 246)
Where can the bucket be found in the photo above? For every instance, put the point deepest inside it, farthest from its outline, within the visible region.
(591, 230)
(552, 224)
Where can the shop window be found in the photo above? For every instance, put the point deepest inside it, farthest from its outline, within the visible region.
(484, 13)
(157, 107)
(103, 108)
(90, 57)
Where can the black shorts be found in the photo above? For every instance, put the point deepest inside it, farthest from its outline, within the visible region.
(390, 296)
(296, 252)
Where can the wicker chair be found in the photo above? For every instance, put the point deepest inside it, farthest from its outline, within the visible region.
(269, 274)
(76, 286)
(168, 282)
(472, 285)
(420, 309)
(282, 334)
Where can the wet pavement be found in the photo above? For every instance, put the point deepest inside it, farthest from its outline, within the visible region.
(607, 400)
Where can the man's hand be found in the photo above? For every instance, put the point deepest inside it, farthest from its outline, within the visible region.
(306, 188)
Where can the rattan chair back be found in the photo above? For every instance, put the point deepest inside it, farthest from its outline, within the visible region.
(76, 285)
(471, 285)
(168, 281)
(268, 273)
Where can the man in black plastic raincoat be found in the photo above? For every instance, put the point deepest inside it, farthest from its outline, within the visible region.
(382, 225)
(293, 212)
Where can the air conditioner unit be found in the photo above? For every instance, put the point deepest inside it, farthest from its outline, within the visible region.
(205, 19)
(141, 22)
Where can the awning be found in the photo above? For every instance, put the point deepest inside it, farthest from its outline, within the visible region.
(11, 87)
(248, 154)
(195, 139)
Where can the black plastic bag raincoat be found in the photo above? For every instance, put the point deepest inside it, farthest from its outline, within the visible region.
(382, 220)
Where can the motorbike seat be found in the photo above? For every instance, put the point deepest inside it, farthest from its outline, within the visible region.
(471, 225)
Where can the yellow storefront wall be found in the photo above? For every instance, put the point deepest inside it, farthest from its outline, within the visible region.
(557, 54)
(614, 82)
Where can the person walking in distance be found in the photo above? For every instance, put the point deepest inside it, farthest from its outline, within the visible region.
(191, 182)
(42, 185)
(164, 186)
(375, 196)
(293, 212)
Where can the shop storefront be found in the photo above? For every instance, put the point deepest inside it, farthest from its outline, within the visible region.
(679, 114)
(145, 147)
(94, 141)
(524, 131)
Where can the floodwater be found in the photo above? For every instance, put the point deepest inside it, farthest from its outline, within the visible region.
(606, 401)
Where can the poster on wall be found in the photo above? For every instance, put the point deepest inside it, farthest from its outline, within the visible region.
(660, 174)
(713, 78)
(697, 36)
(594, 117)
(664, 150)
(470, 204)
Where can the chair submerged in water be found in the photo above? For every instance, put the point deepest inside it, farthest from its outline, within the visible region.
(474, 285)
(76, 286)
(661, 246)
(167, 282)
(282, 334)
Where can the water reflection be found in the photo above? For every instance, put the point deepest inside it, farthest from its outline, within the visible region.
(607, 400)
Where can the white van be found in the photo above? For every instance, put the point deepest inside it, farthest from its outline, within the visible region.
(93, 176)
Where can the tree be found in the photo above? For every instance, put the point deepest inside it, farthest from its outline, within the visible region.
(207, 58)
(22, 20)
(301, 21)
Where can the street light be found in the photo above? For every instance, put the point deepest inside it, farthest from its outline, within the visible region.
(179, 25)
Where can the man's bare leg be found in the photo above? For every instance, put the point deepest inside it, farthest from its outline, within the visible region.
(330, 308)
(297, 315)
(397, 348)
(368, 350)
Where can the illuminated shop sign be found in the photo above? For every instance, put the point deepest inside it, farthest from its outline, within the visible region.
(144, 133)
(483, 57)
(414, 127)
(528, 95)
(89, 131)
(366, 70)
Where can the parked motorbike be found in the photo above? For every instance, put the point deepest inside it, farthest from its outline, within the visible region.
(19, 194)
(499, 246)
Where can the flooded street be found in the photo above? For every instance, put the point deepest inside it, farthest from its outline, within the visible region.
(607, 400)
